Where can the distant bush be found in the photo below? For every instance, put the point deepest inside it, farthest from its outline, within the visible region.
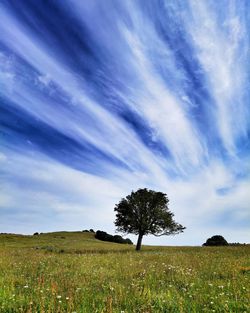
(36, 234)
(118, 239)
(102, 235)
(216, 240)
(128, 241)
(88, 231)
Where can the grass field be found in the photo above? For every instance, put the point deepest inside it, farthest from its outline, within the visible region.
(74, 272)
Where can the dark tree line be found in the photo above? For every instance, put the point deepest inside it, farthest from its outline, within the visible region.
(102, 235)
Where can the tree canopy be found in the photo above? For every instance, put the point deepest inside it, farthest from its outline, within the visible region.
(146, 212)
(216, 240)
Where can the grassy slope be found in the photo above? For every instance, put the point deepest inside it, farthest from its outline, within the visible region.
(68, 242)
(36, 277)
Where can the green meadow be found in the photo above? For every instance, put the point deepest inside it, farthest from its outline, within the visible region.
(74, 272)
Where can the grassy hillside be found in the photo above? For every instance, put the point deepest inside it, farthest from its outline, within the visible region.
(64, 242)
(74, 272)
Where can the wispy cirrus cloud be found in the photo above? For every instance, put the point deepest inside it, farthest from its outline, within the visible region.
(98, 99)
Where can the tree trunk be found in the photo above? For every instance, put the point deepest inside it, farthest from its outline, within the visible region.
(138, 245)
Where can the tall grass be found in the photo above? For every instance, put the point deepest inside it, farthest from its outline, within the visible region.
(81, 274)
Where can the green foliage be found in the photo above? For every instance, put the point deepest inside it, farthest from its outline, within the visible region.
(146, 212)
(216, 240)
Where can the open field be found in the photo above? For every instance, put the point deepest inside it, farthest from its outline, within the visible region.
(74, 272)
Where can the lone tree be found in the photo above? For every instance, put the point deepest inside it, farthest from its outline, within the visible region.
(146, 212)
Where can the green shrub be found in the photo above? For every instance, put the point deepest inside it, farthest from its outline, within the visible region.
(216, 240)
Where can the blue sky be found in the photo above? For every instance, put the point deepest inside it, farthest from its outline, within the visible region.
(99, 98)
